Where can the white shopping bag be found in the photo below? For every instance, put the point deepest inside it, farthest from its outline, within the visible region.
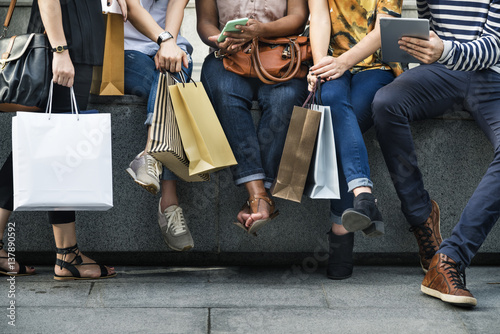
(114, 8)
(323, 177)
(62, 161)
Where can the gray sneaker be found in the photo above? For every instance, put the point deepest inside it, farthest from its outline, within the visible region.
(146, 172)
(174, 229)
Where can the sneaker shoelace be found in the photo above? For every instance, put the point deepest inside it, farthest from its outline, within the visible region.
(425, 235)
(154, 168)
(175, 220)
(457, 276)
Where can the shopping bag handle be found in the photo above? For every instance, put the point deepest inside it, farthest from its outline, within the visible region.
(183, 75)
(74, 105)
(311, 98)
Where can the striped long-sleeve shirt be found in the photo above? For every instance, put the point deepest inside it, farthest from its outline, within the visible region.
(470, 31)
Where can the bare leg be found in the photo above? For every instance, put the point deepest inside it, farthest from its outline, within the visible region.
(4, 217)
(168, 194)
(65, 236)
(360, 190)
(339, 229)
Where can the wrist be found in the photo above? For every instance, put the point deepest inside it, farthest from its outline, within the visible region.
(59, 49)
(164, 37)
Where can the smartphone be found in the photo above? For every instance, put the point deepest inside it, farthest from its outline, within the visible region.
(230, 27)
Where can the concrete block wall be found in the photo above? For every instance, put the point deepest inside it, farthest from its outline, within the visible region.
(453, 155)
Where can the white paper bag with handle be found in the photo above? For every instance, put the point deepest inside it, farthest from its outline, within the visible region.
(323, 178)
(62, 161)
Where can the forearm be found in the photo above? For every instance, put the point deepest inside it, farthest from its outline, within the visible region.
(207, 22)
(319, 29)
(174, 16)
(143, 21)
(50, 11)
(291, 24)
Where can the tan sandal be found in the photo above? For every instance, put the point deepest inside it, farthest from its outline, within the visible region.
(253, 203)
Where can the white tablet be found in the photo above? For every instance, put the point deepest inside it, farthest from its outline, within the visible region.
(392, 29)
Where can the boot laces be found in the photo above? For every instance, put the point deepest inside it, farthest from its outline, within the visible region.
(457, 276)
(425, 240)
(175, 220)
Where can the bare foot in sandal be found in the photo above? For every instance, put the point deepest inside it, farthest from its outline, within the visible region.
(72, 264)
(17, 270)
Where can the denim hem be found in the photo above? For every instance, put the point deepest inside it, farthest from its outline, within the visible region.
(336, 219)
(248, 178)
(168, 175)
(359, 182)
(149, 119)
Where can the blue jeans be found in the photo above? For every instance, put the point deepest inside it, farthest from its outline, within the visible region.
(428, 91)
(350, 98)
(257, 151)
(141, 79)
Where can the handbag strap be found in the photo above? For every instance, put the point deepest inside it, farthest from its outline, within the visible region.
(293, 68)
(8, 17)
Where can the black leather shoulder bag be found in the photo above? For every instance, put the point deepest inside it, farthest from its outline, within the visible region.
(25, 69)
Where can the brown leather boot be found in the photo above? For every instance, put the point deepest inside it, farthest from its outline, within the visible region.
(428, 237)
(444, 281)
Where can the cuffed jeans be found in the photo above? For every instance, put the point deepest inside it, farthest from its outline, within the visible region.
(257, 151)
(429, 91)
(141, 79)
(350, 98)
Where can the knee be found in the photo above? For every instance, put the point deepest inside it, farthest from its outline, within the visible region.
(384, 106)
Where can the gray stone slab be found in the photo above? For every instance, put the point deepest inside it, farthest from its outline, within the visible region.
(47, 294)
(123, 320)
(339, 320)
(165, 294)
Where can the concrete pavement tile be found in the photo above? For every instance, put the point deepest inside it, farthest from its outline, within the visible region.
(206, 295)
(348, 320)
(484, 320)
(51, 294)
(129, 320)
(169, 274)
(295, 274)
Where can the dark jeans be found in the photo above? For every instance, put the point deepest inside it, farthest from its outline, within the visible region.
(428, 91)
(60, 103)
(350, 98)
(257, 151)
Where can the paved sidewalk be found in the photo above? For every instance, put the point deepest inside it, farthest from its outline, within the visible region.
(247, 300)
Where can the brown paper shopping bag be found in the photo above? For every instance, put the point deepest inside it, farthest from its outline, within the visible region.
(297, 153)
(204, 141)
(165, 143)
(109, 79)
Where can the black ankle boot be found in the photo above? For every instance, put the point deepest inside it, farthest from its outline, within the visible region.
(364, 216)
(340, 255)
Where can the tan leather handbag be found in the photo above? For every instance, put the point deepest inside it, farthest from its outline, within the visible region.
(272, 60)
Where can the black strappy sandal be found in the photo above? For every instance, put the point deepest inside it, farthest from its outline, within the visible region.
(77, 261)
(22, 268)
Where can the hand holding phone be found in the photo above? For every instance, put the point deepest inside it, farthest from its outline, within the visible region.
(230, 27)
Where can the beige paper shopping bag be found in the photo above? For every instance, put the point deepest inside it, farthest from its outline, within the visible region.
(297, 153)
(204, 141)
(165, 143)
(109, 79)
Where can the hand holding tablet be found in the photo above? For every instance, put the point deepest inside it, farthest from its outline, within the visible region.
(391, 31)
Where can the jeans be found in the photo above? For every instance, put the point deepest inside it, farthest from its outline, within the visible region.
(429, 91)
(141, 79)
(257, 150)
(350, 98)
